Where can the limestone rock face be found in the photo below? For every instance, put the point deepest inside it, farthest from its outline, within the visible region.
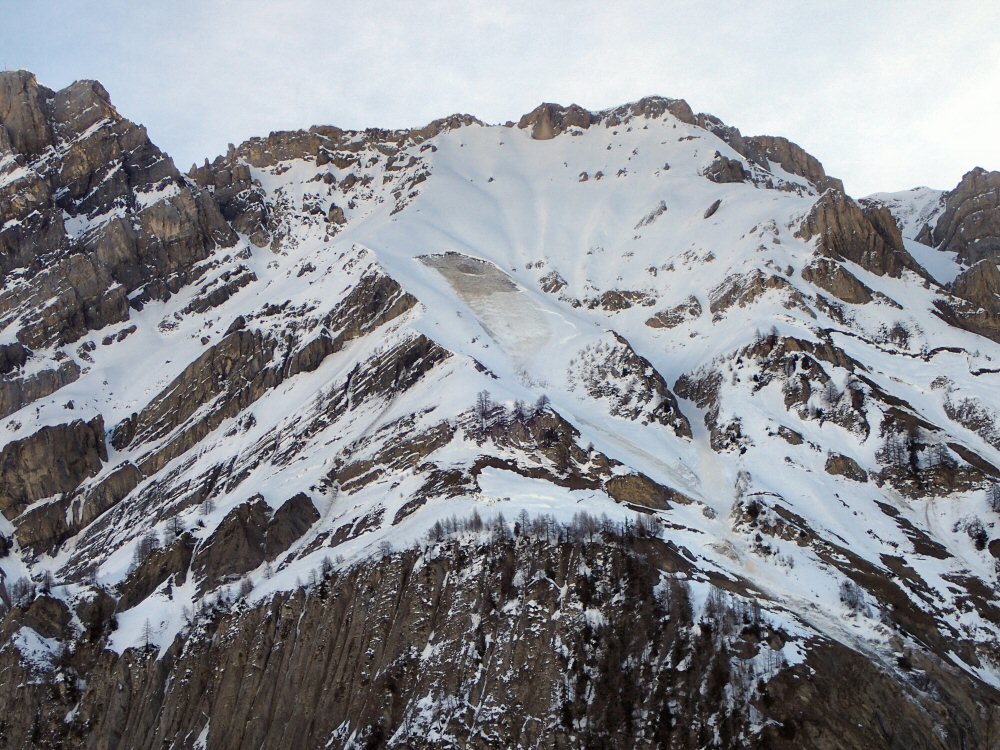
(869, 238)
(838, 281)
(549, 120)
(289, 522)
(762, 149)
(650, 108)
(506, 530)
(724, 169)
(55, 459)
(13, 357)
(46, 615)
(640, 490)
(98, 497)
(977, 308)
(43, 527)
(845, 466)
(980, 285)
(240, 200)
(90, 211)
(251, 534)
(22, 113)
(350, 658)
(970, 223)
(236, 546)
(17, 392)
(248, 209)
(689, 309)
(162, 564)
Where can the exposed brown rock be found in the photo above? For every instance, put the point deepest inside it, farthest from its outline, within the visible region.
(224, 368)
(241, 200)
(970, 223)
(687, 310)
(16, 393)
(790, 436)
(762, 149)
(22, 112)
(831, 276)
(162, 564)
(351, 656)
(43, 526)
(980, 285)
(94, 161)
(977, 308)
(740, 290)
(53, 460)
(641, 491)
(406, 452)
(46, 615)
(631, 386)
(845, 466)
(724, 169)
(13, 357)
(105, 494)
(549, 120)
(249, 535)
(236, 546)
(869, 238)
(552, 282)
(288, 524)
(649, 108)
(242, 367)
(615, 300)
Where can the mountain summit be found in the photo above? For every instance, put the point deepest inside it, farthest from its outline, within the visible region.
(598, 429)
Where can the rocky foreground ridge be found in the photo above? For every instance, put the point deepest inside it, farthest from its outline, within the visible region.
(597, 429)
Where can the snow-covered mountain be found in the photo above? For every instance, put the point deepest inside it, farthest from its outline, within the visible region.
(602, 429)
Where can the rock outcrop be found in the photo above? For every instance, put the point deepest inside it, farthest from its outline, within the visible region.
(91, 211)
(724, 170)
(689, 309)
(970, 222)
(15, 392)
(52, 461)
(549, 120)
(977, 307)
(163, 565)
(833, 277)
(868, 237)
(980, 285)
(764, 149)
(250, 535)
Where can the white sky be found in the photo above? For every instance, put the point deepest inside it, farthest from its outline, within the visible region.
(887, 94)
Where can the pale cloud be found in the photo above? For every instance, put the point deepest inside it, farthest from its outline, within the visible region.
(887, 94)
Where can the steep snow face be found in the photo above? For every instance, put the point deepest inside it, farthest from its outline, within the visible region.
(914, 209)
(666, 316)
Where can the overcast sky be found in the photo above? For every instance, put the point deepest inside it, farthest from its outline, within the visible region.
(888, 95)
